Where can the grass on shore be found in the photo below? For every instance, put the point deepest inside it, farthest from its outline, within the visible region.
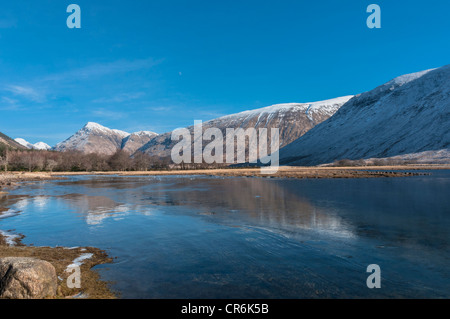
(92, 286)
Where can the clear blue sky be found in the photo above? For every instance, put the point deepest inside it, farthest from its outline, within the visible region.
(158, 65)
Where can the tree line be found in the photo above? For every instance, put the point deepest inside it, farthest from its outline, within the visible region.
(75, 161)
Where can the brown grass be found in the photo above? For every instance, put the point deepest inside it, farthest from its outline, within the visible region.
(11, 179)
(60, 258)
(286, 172)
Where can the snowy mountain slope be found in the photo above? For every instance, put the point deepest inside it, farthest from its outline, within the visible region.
(94, 138)
(37, 146)
(134, 141)
(427, 157)
(41, 146)
(23, 142)
(409, 114)
(293, 120)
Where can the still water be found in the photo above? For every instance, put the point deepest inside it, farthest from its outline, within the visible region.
(210, 237)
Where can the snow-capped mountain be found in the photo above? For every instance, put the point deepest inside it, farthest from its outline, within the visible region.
(42, 146)
(23, 142)
(96, 138)
(134, 141)
(410, 114)
(293, 120)
(37, 146)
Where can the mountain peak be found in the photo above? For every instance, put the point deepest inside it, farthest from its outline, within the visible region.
(37, 146)
(42, 146)
(404, 79)
(94, 126)
(144, 133)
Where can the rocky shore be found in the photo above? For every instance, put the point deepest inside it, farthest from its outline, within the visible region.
(29, 272)
(26, 271)
(10, 180)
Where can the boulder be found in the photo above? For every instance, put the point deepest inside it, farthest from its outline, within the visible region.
(27, 278)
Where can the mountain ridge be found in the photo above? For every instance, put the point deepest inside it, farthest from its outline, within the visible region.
(96, 138)
(409, 114)
(293, 120)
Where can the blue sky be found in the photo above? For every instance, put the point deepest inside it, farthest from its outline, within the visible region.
(158, 65)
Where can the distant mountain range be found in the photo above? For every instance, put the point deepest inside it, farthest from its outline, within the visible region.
(293, 120)
(405, 118)
(37, 146)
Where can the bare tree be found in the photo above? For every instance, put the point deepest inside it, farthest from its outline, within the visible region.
(51, 164)
(120, 161)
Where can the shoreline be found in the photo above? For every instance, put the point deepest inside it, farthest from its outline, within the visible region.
(283, 172)
(92, 287)
(10, 180)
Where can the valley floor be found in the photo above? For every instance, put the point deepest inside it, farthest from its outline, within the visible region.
(12, 179)
(286, 172)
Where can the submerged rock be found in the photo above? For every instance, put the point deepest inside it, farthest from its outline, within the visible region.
(27, 278)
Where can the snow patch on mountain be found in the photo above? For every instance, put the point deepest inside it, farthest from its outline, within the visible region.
(37, 146)
(23, 142)
(95, 127)
(42, 146)
(144, 133)
(326, 106)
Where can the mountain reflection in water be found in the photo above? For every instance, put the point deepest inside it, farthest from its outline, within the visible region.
(210, 237)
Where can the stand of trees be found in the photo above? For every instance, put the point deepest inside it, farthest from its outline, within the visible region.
(72, 161)
(51, 161)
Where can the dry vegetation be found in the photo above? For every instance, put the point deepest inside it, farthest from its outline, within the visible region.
(73, 161)
(91, 285)
(286, 172)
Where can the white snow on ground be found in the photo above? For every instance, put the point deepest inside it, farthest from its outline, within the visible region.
(9, 238)
(9, 213)
(77, 262)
